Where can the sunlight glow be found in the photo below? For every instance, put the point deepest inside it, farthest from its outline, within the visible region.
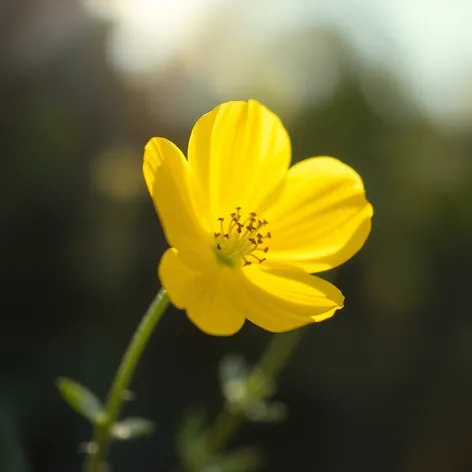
(148, 32)
(238, 48)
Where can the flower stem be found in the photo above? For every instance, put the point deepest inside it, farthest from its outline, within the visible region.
(95, 461)
(274, 358)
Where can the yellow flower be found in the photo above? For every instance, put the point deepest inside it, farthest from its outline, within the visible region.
(246, 231)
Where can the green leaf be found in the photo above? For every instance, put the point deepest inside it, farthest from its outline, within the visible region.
(191, 440)
(247, 460)
(132, 428)
(233, 373)
(266, 412)
(233, 368)
(82, 400)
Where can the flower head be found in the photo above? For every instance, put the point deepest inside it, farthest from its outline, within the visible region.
(245, 230)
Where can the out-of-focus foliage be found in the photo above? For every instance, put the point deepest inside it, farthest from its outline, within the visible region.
(385, 385)
(82, 400)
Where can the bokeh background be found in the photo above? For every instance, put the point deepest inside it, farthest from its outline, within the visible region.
(386, 385)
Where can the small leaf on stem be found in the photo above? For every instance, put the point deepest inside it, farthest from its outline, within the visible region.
(82, 400)
(132, 428)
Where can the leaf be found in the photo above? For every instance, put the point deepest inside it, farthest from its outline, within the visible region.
(247, 460)
(266, 412)
(233, 375)
(132, 428)
(233, 368)
(191, 439)
(82, 400)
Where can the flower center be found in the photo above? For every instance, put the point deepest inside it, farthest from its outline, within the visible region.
(241, 239)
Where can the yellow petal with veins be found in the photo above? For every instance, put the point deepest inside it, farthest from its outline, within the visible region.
(322, 217)
(206, 295)
(218, 299)
(166, 173)
(281, 298)
(239, 155)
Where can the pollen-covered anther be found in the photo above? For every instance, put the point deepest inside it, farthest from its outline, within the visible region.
(258, 259)
(241, 238)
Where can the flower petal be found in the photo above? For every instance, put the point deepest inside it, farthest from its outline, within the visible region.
(166, 173)
(218, 299)
(239, 154)
(322, 217)
(280, 298)
(207, 295)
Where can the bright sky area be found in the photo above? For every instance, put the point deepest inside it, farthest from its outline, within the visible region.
(427, 43)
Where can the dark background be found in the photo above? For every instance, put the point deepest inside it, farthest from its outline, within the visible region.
(383, 386)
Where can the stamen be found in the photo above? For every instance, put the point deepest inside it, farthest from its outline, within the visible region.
(234, 244)
(261, 260)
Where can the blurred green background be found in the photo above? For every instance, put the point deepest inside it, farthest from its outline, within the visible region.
(386, 385)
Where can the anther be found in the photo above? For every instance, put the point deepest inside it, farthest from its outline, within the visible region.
(241, 238)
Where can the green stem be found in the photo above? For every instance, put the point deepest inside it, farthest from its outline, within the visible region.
(274, 358)
(95, 461)
(225, 426)
(278, 353)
